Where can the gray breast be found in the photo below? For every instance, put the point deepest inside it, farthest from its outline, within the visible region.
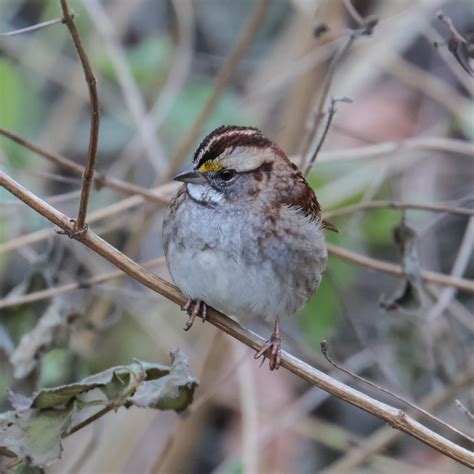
(241, 264)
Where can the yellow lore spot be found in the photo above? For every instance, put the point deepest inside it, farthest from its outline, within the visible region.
(210, 166)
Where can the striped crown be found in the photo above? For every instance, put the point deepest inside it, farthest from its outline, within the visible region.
(225, 137)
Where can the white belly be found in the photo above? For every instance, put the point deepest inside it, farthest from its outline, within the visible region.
(226, 286)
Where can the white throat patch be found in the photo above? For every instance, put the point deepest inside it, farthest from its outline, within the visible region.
(204, 194)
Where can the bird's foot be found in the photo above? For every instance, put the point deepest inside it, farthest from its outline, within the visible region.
(271, 349)
(194, 308)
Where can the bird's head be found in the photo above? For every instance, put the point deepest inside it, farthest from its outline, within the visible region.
(232, 164)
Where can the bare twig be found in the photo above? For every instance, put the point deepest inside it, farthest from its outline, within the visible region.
(366, 26)
(85, 283)
(330, 115)
(99, 180)
(447, 21)
(460, 211)
(324, 350)
(94, 127)
(393, 269)
(353, 12)
(460, 263)
(464, 409)
(385, 436)
(395, 417)
(223, 78)
(36, 27)
(318, 113)
(165, 191)
(457, 147)
(131, 92)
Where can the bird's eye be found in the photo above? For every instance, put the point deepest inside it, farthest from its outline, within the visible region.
(227, 175)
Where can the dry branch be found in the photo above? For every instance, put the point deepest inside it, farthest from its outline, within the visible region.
(396, 270)
(57, 290)
(395, 417)
(68, 19)
(99, 180)
(32, 28)
(362, 206)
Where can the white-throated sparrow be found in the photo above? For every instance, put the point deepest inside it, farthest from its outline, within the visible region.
(244, 233)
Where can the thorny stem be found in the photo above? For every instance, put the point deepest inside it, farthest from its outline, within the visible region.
(395, 417)
(80, 223)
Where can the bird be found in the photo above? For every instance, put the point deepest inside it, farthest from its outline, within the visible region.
(244, 233)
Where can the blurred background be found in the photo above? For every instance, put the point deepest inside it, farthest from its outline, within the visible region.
(406, 136)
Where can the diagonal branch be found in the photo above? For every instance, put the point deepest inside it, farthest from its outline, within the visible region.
(94, 128)
(396, 418)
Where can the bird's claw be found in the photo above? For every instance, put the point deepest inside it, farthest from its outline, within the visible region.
(194, 308)
(272, 350)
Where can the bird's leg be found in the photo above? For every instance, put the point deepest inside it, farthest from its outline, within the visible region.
(194, 308)
(273, 346)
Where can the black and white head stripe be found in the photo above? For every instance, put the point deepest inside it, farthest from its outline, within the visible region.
(228, 136)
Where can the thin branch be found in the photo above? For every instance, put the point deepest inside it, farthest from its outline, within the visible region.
(459, 267)
(394, 269)
(395, 417)
(460, 211)
(330, 115)
(458, 147)
(385, 436)
(366, 26)
(353, 12)
(318, 114)
(85, 283)
(223, 78)
(165, 191)
(99, 180)
(36, 27)
(94, 127)
(130, 90)
(447, 21)
(324, 350)
(464, 409)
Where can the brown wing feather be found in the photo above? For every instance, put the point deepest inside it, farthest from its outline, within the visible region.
(302, 197)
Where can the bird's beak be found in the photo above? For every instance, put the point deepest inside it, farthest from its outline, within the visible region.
(194, 177)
